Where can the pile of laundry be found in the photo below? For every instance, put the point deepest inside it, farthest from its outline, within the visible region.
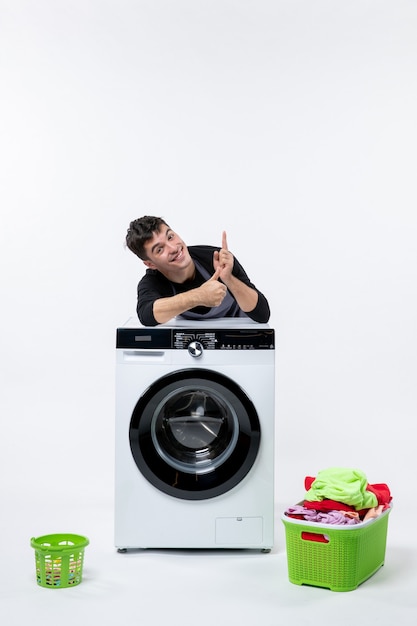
(339, 495)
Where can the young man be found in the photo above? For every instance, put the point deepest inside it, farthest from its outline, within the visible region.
(196, 282)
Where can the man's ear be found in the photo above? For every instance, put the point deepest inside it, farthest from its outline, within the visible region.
(150, 265)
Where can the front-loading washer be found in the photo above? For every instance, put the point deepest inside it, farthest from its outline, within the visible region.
(195, 413)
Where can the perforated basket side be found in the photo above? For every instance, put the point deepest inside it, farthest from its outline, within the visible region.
(59, 570)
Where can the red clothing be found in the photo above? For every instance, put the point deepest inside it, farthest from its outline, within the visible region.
(380, 490)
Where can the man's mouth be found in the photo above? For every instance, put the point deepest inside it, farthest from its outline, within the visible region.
(178, 256)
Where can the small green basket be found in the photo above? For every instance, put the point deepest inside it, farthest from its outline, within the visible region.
(59, 560)
(338, 557)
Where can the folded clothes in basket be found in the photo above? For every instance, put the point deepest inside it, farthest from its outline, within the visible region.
(339, 495)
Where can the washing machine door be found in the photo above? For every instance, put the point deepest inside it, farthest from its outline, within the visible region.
(194, 434)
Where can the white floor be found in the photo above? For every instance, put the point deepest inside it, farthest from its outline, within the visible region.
(181, 587)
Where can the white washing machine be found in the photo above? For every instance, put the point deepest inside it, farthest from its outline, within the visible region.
(195, 416)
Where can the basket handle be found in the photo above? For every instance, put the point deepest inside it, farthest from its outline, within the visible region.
(319, 537)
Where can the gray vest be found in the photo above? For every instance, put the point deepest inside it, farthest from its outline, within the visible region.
(228, 308)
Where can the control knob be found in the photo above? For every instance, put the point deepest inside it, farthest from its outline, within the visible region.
(195, 348)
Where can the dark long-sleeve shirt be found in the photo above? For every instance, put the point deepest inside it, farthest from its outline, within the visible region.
(154, 285)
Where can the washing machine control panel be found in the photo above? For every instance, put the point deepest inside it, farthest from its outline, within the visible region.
(196, 340)
(239, 339)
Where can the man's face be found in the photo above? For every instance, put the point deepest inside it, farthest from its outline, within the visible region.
(167, 252)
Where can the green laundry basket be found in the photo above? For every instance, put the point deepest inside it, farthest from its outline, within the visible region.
(339, 557)
(59, 559)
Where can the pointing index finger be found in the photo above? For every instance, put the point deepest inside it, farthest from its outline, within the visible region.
(224, 241)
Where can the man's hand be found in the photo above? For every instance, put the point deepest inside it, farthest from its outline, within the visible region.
(223, 260)
(212, 291)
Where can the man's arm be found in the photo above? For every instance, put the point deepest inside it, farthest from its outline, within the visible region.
(245, 295)
(209, 294)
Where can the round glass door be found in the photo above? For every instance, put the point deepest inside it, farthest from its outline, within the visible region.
(194, 434)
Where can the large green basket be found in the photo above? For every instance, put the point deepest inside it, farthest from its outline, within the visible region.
(340, 557)
(59, 560)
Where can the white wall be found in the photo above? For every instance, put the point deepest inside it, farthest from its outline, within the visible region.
(289, 123)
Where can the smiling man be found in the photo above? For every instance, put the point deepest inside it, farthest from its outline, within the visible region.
(195, 282)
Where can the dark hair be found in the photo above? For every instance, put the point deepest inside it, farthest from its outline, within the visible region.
(140, 231)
